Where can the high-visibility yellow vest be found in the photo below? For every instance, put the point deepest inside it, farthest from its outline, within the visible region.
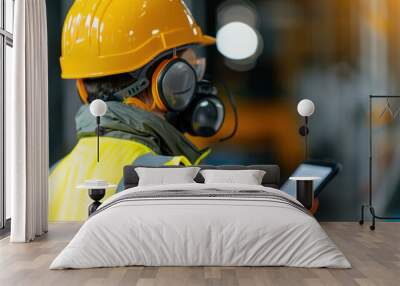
(66, 202)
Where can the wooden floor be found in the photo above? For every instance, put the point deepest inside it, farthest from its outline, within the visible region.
(375, 257)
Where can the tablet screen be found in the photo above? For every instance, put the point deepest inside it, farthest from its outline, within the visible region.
(307, 170)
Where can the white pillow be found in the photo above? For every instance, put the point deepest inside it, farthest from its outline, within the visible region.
(247, 177)
(166, 176)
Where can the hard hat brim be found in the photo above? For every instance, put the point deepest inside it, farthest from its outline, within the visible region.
(70, 71)
(208, 40)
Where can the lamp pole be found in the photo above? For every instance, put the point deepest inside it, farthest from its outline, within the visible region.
(98, 138)
(98, 108)
(305, 108)
(307, 131)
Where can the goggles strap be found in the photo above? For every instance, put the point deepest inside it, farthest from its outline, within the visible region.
(142, 83)
(133, 90)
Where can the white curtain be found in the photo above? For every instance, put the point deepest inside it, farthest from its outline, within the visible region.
(27, 123)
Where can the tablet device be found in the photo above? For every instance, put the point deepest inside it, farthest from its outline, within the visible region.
(312, 168)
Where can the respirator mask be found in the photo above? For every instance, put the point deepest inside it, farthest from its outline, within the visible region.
(191, 103)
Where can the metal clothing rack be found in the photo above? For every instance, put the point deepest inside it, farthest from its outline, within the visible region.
(370, 202)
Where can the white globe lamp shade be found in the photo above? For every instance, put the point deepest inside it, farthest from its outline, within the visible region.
(98, 108)
(306, 108)
(237, 41)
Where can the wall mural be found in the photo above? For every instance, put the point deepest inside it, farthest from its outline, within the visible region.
(224, 91)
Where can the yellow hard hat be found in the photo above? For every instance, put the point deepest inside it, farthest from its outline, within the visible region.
(107, 37)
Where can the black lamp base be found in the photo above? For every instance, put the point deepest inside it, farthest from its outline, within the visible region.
(304, 193)
(95, 195)
(304, 131)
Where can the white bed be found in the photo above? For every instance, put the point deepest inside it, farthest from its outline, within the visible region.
(267, 229)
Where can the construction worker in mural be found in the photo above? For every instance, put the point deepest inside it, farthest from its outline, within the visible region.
(138, 56)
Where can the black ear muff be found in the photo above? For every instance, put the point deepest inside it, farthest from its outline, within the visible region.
(174, 85)
(205, 115)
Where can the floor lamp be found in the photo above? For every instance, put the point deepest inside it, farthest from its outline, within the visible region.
(97, 187)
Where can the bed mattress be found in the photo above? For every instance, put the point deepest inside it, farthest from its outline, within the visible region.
(201, 225)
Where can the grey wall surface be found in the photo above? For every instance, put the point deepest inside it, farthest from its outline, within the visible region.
(55, 93)
(63, 100)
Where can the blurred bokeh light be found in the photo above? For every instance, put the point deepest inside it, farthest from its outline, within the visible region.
(238, 38)
(237, 41)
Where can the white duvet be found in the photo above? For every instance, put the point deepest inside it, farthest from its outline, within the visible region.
(200, 232)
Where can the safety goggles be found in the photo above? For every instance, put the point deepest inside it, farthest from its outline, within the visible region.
(197, 62)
